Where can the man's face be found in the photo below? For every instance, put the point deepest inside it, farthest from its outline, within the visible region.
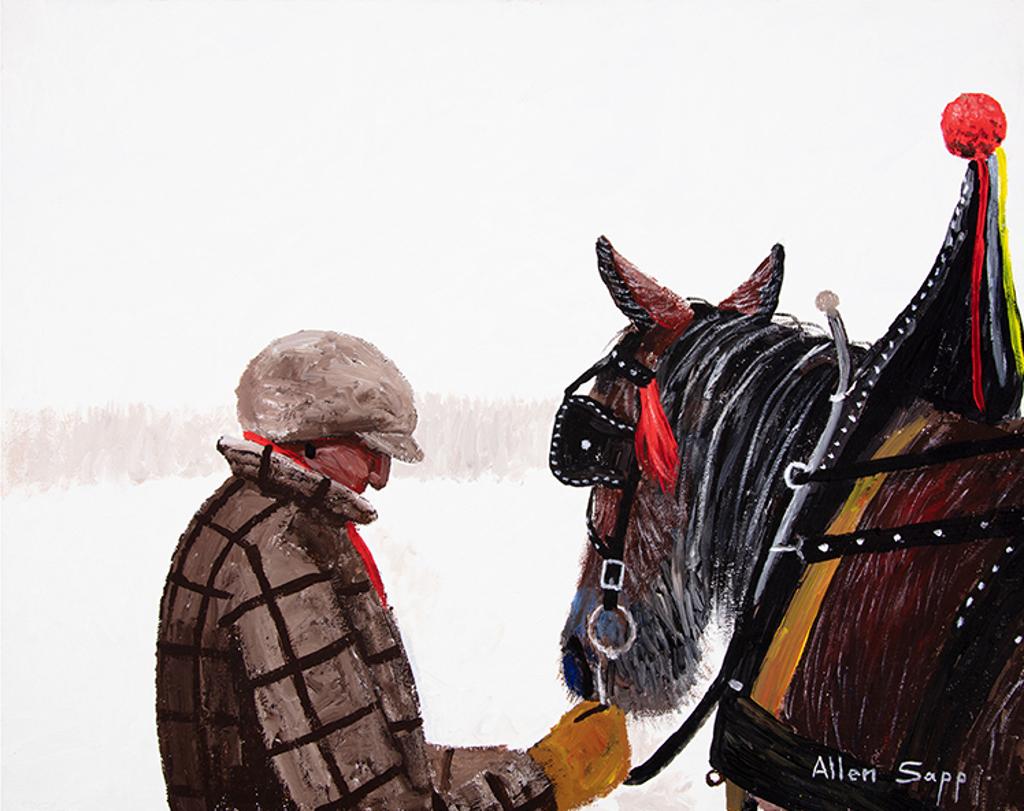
(347, 461)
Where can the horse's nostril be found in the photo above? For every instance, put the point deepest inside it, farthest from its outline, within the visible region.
(576, 669)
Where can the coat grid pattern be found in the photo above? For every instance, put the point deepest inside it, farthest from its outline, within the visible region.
(282, 681)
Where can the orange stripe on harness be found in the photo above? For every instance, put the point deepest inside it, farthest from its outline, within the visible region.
(790, 640)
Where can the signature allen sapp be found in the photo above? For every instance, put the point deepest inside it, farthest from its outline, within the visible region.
(907, 771)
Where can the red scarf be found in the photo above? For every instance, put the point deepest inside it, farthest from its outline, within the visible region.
(259, 440)
(360, 545)
(371, 567)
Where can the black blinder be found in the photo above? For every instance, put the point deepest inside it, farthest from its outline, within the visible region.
(590, 445)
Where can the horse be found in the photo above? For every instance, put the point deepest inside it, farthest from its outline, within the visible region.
(854, 515)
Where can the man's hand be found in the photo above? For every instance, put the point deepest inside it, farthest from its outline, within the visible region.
(586, 754)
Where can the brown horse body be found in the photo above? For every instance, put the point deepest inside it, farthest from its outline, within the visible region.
(854, 515)
(912, 659)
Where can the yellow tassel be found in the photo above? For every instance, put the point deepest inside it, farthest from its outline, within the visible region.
(1009, 291)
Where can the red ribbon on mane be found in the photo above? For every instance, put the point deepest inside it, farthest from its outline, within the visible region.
(656, 447)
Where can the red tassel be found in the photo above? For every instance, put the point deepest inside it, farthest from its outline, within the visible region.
(977, 272)
(656, 447)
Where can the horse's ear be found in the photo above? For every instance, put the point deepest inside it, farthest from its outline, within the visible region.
(640, 298)
(759, 295)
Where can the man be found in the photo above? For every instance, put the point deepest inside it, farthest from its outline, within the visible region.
(282, 681)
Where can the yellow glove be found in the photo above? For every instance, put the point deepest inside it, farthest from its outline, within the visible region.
(585, 755)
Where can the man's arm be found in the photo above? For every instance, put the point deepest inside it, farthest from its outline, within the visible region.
(335, 698)
(585, 756)
(490, 777)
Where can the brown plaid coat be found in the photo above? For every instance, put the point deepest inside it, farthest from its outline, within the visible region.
(282, 681)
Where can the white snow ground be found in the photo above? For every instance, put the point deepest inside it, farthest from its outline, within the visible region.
(480, 574)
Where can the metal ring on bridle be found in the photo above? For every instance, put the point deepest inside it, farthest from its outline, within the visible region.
(611, 651)
(787, 474)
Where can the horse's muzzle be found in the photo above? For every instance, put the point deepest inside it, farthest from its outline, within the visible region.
(576, 669)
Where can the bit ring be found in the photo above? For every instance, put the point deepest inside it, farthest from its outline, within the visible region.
(611, 652)
(713, 778)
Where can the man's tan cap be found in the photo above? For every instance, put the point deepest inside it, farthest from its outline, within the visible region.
(314, 384)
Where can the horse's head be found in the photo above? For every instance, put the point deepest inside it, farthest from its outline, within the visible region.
(670, 544)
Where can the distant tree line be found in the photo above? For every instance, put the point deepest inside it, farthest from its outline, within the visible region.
(462, 437)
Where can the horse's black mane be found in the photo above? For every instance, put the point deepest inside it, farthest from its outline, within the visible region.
(745, 396)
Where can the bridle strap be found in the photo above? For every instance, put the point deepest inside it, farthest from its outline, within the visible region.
(593, 371)
(945, 532)
(934, 456)
(612, 549)
(615, 545)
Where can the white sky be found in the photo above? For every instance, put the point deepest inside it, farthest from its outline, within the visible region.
(184, 181)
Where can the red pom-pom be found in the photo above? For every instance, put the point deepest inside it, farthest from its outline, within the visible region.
(973, 125)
